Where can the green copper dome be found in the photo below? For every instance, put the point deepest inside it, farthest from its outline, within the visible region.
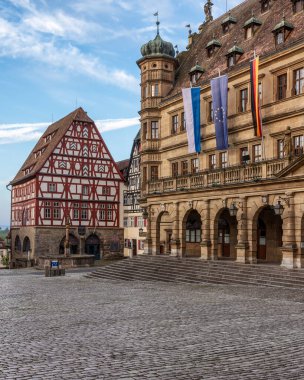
(158, 47)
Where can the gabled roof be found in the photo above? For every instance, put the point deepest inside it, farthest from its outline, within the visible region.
(57, 130)
(262, 41)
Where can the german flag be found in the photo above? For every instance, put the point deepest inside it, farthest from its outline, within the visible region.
(255, 98)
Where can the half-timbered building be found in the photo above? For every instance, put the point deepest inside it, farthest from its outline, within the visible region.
(68, 182)
(134, 223)
(244, 203)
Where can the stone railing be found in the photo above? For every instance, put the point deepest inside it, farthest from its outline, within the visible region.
(218, 177)
(150, 145)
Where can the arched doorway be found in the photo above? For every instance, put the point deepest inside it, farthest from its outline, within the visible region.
(73, 245)
(268, 236)
(226, 227)
(193, 233)
(92, 246)
(163, 234)
(26, 245)
(17, 244)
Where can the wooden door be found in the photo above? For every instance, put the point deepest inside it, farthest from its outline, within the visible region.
(134, 247)
(224, 237)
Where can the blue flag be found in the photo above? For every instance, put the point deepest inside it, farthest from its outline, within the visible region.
(191, 98)
(219, 90)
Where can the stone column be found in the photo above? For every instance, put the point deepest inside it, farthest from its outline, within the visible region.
(242, 237)
(289, 249)
(206, 241)
(175, 241)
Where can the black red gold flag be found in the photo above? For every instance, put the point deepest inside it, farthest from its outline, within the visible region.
(255, 97)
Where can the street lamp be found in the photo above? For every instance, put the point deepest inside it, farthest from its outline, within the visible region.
(278, 208)
(233, 209)
(145, 213)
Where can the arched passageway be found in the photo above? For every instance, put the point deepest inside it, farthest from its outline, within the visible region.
(268, 236)
(192, 232)
(92, 246)
(73, 242)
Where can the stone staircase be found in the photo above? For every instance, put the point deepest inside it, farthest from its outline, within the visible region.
(197, 271)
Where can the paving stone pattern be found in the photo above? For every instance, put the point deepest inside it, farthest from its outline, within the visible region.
(74, 328)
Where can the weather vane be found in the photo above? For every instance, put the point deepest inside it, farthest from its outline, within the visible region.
(157, 21)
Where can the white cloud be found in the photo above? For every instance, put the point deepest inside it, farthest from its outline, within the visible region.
(23, 132)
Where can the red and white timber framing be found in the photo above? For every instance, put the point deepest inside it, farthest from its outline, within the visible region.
(78, 183)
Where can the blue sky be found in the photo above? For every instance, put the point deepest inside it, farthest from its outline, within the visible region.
(56, 55)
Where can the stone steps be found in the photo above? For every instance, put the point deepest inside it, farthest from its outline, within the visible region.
(197, 271)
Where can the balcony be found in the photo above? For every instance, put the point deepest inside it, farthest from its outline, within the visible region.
(150, 145)
(253, 172)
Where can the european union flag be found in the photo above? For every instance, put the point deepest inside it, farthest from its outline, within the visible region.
(219, 90)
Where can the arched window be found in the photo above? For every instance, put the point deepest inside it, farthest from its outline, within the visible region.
(193, 227)
(26, 244)
(17, 243)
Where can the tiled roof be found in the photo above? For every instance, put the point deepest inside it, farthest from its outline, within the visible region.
(58, 130)
(262, 41)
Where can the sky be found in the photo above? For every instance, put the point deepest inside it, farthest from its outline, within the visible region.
(58, 55)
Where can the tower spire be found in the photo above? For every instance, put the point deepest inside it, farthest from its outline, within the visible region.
(157, 22)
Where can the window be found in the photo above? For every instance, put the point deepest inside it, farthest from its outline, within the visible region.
(174, 124)
(243, 100)
(106, 190)
(110, 213)
(47, 211)
(249, 32)
(265, 5)
(145, 131)
(184, 167)
(183, 123)
(155, 89)
(282, 86)
(76, 211)
(154, 173)
(140, 222)
(210, 111)
(52, 187)
(245, 158)
(260, 92)
(280, 148)
(298, 143)
(56, 211)
(84, 211)
(299, 81)
(194, 165)
(174, 169)
(223, 159)
(193, 236)
(154, 129)
(297, 6)
(125, 221)
(212, 161)
(85, 190)
(257, 153)
(225, 28)
(132, 224)
(279, 37)
(231, 60)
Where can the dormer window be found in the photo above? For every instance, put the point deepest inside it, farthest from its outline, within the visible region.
(282, 31)
(227, 23)
(195, 73)
(297, 5)
(234, 55)
(212, 47)
(265, 5)
(251, 27)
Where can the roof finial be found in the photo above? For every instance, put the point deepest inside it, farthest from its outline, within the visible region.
(176, 48)
(189, 27)
(157, 22)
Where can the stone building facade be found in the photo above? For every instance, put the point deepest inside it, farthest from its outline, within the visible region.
(245, 203)
(66, 197)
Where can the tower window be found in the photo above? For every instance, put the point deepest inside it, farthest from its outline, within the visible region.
(155, 89)
(154, 129)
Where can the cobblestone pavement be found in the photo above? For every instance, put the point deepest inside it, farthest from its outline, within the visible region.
(76, 328)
